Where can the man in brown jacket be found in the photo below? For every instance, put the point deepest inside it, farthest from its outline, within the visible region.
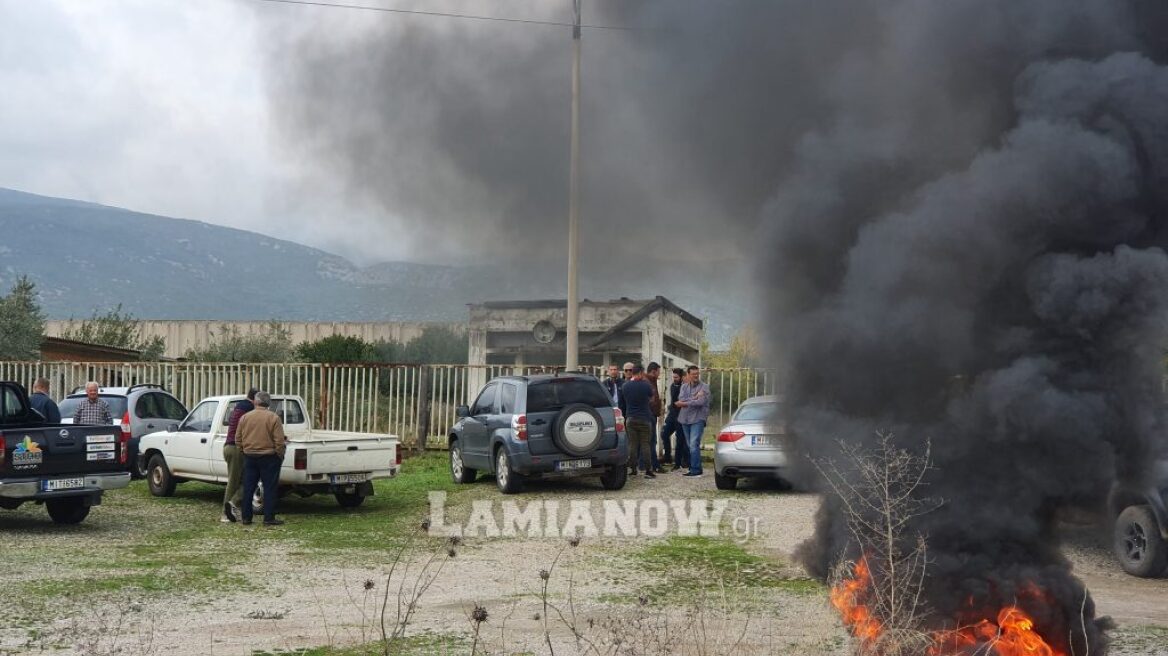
(260, 438)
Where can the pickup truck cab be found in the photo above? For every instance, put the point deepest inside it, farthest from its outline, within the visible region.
(67, 468)
(316, 461)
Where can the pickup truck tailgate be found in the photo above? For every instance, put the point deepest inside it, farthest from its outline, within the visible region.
(46, 451)
(339, 452)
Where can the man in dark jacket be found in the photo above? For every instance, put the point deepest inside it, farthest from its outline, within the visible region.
(652, 374)
(43, 403)
(233, 496)
(637, 395)
(672, 428)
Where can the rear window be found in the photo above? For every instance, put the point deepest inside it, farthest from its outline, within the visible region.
(758, 412)
(117, 406)
(288, 410)
(551, 395)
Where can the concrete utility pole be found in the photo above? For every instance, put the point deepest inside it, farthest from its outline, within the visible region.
(572, 359)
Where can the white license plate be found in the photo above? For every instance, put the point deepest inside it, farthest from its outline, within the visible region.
(569, 465)
(62, 484)
(348, 478)
(760, 440)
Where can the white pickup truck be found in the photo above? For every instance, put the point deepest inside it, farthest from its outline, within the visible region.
(316, 461)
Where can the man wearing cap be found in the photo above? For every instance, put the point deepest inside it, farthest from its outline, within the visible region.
(260, 438)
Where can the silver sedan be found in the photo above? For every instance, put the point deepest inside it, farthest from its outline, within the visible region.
(753, 444)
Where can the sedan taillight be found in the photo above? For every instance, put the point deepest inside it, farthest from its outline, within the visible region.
(730, 436)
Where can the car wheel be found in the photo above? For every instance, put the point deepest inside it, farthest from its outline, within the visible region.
(615, 478)
(158, 477)
(70, 510)
(1138, 544)
(349, 499)
(578, 429)
(508, 481)
(458, 469)
(725, 482)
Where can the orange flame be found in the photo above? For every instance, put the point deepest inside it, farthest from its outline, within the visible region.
(1013, 634)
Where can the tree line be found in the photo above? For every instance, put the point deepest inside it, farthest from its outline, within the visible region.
(22, 331)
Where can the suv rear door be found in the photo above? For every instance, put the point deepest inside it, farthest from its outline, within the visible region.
(546, 398)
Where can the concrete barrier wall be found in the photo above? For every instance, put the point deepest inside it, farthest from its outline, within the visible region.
(183, 335)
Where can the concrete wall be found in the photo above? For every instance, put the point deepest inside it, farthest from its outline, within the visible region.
(183, 335)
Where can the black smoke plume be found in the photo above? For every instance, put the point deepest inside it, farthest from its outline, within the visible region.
(967, 190)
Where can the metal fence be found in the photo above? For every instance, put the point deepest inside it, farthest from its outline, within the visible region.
(397, 399)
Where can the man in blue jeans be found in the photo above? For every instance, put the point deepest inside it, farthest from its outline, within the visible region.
(260, 438)
(694, 402)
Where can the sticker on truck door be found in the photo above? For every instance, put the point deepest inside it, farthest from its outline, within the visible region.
(27, 454)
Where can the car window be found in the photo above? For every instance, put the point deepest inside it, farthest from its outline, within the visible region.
(288, 410)
(484, 405)
(147, 406)
(170, 407)
(200, 419)
(12, 405)
(231, 405)
(507, 399)
(554, 394)
(764, 411)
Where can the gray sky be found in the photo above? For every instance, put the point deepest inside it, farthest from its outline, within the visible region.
(160, 106)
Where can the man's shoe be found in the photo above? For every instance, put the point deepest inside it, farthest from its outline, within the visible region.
(660, 470)
(228, 512)
(632, 471)
(225, 519)
(676, 468)
(245, 522)
(650, 474)
(694, 474)
(273, 522)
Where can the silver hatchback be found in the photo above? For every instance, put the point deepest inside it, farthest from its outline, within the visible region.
(754, 444)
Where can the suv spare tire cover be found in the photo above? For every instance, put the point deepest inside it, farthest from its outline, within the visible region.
(578, 429)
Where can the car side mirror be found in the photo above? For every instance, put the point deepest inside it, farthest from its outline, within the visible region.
(462, 411)
(173, 428)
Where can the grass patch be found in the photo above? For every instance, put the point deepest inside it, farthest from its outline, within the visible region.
(689, 569)
(1143, 639)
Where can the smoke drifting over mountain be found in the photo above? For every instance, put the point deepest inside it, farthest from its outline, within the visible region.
(931, 189)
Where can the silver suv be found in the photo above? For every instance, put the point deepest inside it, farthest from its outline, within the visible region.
(137, 410)
(544, 426)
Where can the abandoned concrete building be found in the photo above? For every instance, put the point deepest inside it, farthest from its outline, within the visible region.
(532, 333)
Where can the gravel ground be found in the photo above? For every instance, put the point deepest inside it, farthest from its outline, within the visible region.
(287, 598)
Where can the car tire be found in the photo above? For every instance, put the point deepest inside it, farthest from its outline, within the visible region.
(725, 482)
(347, 499)
(1140, 548)
(615, 478)
(458, 469)
(577, 443)
(508, 481)
(158, 477)
(70, 510)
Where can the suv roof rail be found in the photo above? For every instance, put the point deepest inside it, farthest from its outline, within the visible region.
(131, 388)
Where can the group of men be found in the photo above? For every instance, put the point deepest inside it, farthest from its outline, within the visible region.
(635, 390)
(253, 450)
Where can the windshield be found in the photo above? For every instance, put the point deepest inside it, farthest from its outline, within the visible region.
(765, 411)
(117, 405)
(555, 394)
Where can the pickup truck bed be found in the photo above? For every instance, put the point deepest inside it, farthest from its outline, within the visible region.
(65, 467)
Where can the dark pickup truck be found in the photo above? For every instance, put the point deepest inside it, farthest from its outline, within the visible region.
(64, 467)
(1141, 522)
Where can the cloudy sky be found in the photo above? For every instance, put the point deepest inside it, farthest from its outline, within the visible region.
(161, 106)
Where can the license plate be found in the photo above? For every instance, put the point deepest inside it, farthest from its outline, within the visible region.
(348, 478)
(569, 465)
(760, 440)
(62, 484)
